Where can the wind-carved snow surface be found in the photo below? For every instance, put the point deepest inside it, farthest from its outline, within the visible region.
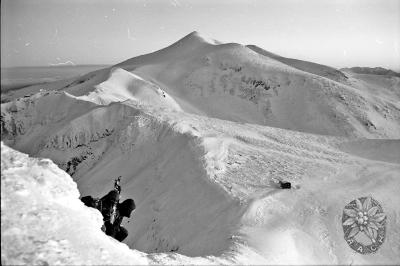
(123, 85)
(185, 128)
(44, 222)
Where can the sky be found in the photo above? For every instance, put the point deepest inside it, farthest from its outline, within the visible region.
(338, 33)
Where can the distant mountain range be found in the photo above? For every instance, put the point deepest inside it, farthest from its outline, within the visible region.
(372, 71)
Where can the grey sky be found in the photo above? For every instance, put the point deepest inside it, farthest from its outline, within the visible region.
(339, 33)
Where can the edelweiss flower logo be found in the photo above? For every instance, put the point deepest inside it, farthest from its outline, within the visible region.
(364, 217)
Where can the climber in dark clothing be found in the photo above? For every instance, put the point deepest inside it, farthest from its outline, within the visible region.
(115, 229)
(113, 212)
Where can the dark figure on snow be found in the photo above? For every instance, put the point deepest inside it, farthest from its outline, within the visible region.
(113, 212)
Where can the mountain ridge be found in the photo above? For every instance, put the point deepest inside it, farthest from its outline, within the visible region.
(372, 70)
(313, 68)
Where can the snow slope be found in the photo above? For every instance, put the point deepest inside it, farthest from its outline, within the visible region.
(313, 68)
(385, 86)
(42, 219)
(199, 133)
(123, 85)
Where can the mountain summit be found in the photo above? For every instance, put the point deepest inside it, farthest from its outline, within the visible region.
(196, 36)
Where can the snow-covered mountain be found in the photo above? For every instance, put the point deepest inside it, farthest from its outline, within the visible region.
(233, 82)
(201, 133)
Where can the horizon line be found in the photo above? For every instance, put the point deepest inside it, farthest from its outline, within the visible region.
(57, 66)
(89, 65)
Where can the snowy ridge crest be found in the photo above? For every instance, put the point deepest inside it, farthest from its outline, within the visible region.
(91, 124)
(123, 85)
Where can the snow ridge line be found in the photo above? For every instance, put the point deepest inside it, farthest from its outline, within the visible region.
(212, 148)
(88, 125)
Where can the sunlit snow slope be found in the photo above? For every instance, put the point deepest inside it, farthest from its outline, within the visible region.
(43, 221)
(199, 133)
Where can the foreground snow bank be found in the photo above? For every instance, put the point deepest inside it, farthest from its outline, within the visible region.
(44, 222)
